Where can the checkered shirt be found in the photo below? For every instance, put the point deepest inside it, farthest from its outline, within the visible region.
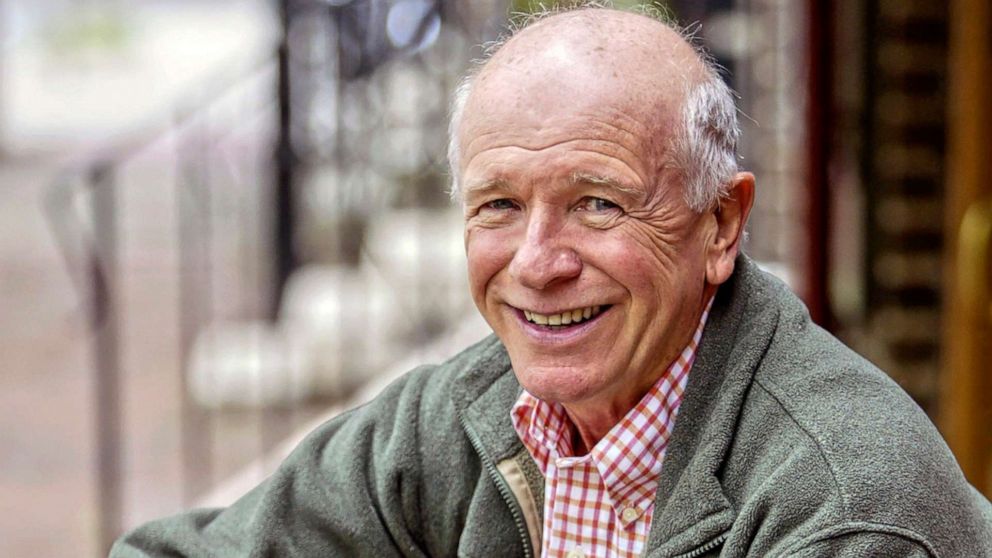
(600, 504)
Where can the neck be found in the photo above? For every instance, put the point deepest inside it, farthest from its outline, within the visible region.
(591, 423)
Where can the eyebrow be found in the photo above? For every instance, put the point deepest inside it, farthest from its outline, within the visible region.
(484, 186)
(577, 178)
(581, 177)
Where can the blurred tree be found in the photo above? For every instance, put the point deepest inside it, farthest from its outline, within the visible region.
(87, 33)
(531, 6)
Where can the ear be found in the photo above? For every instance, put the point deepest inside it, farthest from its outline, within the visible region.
(730, 215)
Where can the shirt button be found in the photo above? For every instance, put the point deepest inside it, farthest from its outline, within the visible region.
(629, 514)
(576, 553)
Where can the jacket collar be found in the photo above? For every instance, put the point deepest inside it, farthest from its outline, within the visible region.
(690, 507)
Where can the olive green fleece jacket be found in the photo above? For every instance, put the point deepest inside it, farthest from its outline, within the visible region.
(786, 444)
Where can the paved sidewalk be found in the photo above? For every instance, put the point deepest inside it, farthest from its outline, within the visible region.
(47, 408)
(47, 507)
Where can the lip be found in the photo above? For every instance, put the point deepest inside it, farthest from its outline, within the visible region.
(543, 335)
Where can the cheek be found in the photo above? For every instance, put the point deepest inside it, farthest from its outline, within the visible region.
(488, 252)
(654, 276)
(628, 261)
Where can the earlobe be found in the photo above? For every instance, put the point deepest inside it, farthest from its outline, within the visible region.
(731, 217)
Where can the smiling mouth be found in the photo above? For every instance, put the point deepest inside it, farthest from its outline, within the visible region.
(566, 319)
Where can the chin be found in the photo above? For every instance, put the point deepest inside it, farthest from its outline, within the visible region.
(558, 384)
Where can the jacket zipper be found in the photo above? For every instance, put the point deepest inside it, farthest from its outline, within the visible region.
(706, 547)
(501, 486)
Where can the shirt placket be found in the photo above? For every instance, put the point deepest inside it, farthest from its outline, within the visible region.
(579, 520)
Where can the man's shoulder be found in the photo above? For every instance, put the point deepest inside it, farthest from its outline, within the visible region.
(396, 476)
(440, 387)
(838, 401)
(859, 420)
(822, 424)
(461, 378)
(419, 409)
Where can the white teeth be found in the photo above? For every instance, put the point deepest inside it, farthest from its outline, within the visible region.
(565, 318)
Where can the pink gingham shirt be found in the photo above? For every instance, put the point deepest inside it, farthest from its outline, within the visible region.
(600, 504)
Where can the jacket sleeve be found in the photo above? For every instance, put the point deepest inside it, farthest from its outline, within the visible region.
(350, 489)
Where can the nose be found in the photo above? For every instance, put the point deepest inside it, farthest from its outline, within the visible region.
(544, 258)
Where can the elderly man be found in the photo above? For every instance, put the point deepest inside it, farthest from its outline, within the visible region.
(648, 392)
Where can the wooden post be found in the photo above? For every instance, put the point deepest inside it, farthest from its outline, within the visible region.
(104, 321)
(966, 380)
(819, 119)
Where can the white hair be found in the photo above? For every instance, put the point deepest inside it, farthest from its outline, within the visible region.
(703, 150)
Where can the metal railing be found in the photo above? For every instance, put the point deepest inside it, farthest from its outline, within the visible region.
(85, 211)
(227, 234)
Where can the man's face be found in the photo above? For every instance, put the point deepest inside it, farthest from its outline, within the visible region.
(583, 255)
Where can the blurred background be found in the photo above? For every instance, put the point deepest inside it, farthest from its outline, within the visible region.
(223, 222)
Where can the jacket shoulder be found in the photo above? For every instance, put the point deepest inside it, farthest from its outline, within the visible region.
(393, 477)
(850, 443)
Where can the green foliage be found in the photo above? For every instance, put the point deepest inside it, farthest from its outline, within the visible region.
(90, 30)
(530, 6)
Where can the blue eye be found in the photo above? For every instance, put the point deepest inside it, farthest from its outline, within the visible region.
(598, 205)
(501, 205)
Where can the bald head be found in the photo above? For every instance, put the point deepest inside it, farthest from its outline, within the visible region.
(601, 45)
(642, 69)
